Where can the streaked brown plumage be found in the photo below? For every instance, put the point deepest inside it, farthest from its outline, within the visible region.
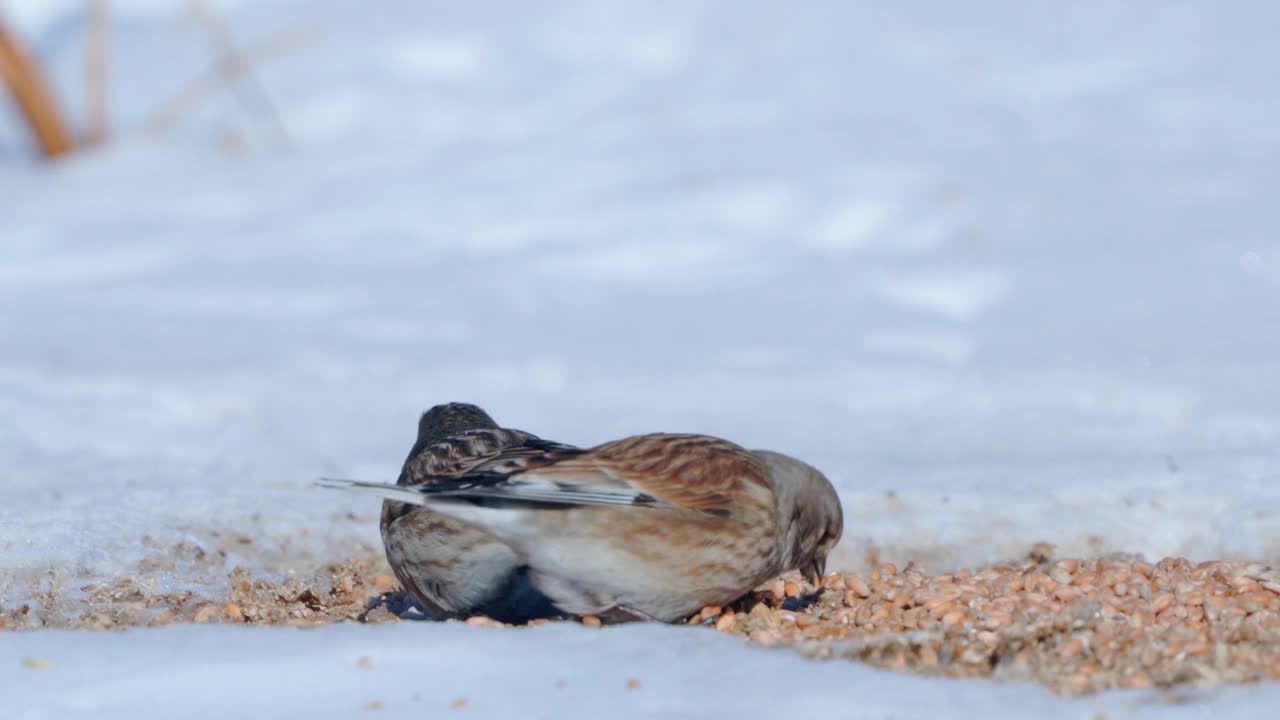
(451, 567)
(651, 526)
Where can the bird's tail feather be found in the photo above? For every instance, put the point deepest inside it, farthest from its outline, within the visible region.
(501, 492)
(391, 492)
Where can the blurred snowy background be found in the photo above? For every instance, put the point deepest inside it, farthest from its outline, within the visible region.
(1006, 271)
(1006, 275)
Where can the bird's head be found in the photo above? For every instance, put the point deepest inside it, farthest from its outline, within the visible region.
(809, 514)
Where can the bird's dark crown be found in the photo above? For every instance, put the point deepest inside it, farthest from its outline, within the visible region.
(448, 419)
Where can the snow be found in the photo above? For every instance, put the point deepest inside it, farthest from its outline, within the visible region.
(1005, 274)
(547, 672)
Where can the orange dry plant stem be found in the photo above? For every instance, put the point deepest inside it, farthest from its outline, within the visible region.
(34, 100)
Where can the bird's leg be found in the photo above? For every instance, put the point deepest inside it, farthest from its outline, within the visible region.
(619, 614)
(399, 603)
(803, 602)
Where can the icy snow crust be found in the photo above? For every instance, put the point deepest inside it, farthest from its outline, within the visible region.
(553, 671)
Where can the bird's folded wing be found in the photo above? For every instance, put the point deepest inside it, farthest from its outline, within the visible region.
(697, 472)
(690, 472)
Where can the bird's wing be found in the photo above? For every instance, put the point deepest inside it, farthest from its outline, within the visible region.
(693, 472)
(697, 472)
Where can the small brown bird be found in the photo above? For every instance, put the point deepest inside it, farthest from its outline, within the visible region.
(451, 567)
(648, 527)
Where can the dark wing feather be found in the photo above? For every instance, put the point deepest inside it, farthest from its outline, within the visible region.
(455, 455)
(693, 472)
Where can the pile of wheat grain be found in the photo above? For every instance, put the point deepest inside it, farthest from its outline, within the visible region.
(1074, 625)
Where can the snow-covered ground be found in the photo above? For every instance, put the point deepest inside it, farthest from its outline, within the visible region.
(555, 671)
(1005, 272)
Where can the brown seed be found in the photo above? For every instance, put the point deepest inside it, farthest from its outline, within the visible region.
(857, 586)
(765, 637)
(911, 618)
(939, 608)
(1138, 681)
(1161, 602)
(1263, 598)
(1071, 648)
(591, 621)
(1067, 594)
(709, 612)
(778, 589)
(1243, 584)
(1060, 575)
(365, 662)
(726, 622)
(1199, 647)
(953, 618)
(997, 620)
(862, 615)
(233, 612)
(929, 656)
(1149, 656)
(633, 684)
